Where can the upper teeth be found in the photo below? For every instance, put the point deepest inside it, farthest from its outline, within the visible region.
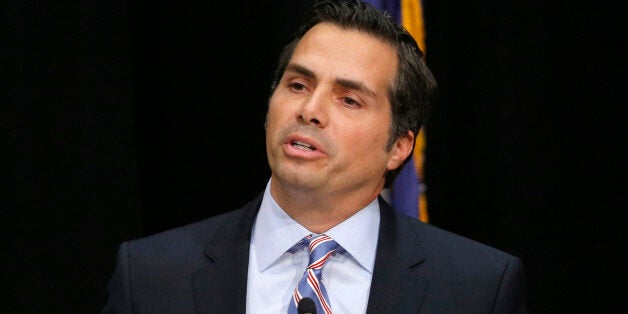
(302, 145)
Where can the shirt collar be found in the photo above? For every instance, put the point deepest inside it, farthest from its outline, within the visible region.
(275, 233)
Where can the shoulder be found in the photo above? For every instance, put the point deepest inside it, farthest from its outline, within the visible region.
(473, 274)
(442, 243)
(195, 234)
(439, 242)
(474, 266)
(445, 252)
(191, 239)
(454, 257)
(171, 251)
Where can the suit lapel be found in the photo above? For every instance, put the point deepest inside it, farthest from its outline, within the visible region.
(396, 286)
(221, 287)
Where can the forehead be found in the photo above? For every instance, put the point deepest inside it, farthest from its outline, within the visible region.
(347, 54)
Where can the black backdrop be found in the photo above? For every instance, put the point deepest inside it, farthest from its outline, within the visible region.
(125, 118)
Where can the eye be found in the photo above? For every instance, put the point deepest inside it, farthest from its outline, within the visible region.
(296, 86)
(350, 102)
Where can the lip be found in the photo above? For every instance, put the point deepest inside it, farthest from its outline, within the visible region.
(294, 151)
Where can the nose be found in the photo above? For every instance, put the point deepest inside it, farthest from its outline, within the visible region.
(314, 110)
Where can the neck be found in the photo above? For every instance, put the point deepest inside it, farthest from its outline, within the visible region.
(319, 211)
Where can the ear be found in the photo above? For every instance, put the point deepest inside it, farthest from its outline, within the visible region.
(401, 150)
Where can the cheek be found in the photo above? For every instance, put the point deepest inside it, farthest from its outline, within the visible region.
(363, 145)
(368, 135)
(366, 145)
(277, 109)
(277, 118)
(271, 117)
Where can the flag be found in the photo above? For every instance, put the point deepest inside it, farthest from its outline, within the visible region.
(407, 192)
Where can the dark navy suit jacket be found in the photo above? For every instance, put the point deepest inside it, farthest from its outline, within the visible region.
(419, 268)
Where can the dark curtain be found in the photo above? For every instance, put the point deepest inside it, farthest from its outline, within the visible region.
(123, 119)
(523, 149)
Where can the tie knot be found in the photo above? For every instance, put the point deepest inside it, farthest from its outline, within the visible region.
(321, 247)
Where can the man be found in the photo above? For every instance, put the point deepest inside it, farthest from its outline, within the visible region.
(350, 94)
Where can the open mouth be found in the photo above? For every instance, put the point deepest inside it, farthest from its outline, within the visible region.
(302, 146)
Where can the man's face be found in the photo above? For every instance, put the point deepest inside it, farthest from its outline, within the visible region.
(329, 118)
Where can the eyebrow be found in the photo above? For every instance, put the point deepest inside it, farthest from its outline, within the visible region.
(292, 67)
(350, 84)
(346, 83)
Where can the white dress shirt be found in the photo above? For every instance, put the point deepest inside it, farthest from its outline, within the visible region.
(276, 266)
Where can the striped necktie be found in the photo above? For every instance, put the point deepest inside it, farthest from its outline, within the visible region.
(321, 248)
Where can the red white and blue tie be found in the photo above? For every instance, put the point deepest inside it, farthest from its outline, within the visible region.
(321, 248)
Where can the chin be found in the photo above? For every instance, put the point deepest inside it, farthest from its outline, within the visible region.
(298, 179)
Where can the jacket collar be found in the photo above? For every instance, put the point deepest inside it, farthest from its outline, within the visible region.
(221, 287)
(396, 286)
